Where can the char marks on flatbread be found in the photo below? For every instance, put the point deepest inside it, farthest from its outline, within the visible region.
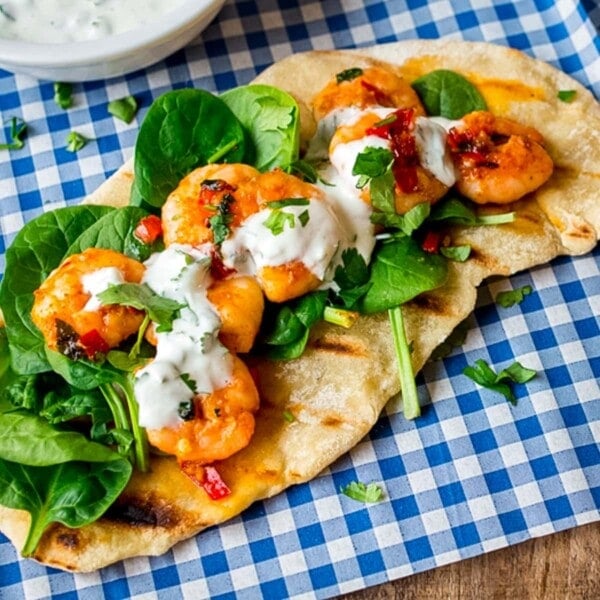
(337, 389)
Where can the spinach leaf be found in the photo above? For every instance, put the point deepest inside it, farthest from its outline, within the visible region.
(272, 119)
(31, 440)
(72, 493)
(399, 272)
(182, 130)
(116, 231)
(37, 249)
(288, 332)
(446, 93)
(462, 212)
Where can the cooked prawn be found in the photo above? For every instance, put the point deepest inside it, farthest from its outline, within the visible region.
(498, 160)
(240, 304)
(372, 86)
(69, 319)
(395, 130)
(201, 195)
(187, 213)
(223, 422)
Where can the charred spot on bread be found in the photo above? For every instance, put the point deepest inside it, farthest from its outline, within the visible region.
(142, 512)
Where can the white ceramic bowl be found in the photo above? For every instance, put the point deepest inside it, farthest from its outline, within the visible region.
(113, 55)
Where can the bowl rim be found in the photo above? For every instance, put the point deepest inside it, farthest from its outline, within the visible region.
(178, 18)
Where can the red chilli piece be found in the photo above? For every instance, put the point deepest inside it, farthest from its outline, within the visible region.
(93, 343)
(148, 230)
(213, 485)
(380, 97)
(432, 242)
(217, 268)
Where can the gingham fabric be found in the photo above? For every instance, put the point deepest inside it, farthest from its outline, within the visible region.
(474, 473)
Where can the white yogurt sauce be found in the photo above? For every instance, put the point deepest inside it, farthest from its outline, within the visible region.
(98, 281)
(190, 353)
(60, 21)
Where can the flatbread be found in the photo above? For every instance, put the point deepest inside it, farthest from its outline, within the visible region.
(337, 389)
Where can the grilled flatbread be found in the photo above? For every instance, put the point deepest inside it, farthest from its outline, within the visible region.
(337, 389)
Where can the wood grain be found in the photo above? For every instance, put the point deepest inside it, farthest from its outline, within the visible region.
(563, 566)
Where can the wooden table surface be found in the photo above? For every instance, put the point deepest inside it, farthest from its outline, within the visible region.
(562, 566)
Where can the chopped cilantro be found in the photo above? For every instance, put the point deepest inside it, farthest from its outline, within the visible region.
(76, 141)
(220, 222)
(289, 416)
(485, 376)
(278, 219)
(186, 410)
(288, 202)
(363, 493)
(18, 127)
(185, 377)
(372, 162)
(304, 217)
(63, 94)
(348, 74)
(512, 297)
(566, 95)
(457, 211)
(124, 109)
(307, 170)
(139, 295)
(454, 340)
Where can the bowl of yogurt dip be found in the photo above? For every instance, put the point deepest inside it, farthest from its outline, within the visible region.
(82, 40)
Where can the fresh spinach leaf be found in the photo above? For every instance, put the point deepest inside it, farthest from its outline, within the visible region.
(37, 249)
(182, 130)
(448, 94)
(372, 162)
(352, 277)
(272, 119)
(72, 493)
(400, 271)
(31, 440)
(287, 333)
(116, 231)
(461, 212)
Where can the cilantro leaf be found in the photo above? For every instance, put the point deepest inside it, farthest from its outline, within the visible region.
(307, 170)
(511, 297)
(566, 95)
(372, 162)
(124, 109)
(63, 94)
(220, 222)
(485, 376)
(278, 219)
(454, 340)
(348, 74)
(352, 277)
(18, 127)
(363, 493)
(139, 295)
(76, 141)
(454, 210)
(288, 202)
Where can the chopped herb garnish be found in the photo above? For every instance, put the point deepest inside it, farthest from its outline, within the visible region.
(288, 202)
(456, 253)
(161, 310)
(485, 376)
(18, 127)
(289, 416)
(124, 109)
(454, 340)
(76, 141)
(186, 410)
(370, 163)
(6, 14)
(307, 170)
(220, 222)
(352, 277)
(304, 217)
(348, 74)
(63, 94)
(567, 95)
(185, 377)
(277, 221)
(454, 210)
(363, 493)
(512, 297)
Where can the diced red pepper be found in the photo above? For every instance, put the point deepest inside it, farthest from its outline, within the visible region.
(93, 343)
(432, 242)
(206, 477)
(148, 230)
(213, 485)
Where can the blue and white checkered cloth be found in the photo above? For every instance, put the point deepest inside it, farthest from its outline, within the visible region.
(473, 474)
